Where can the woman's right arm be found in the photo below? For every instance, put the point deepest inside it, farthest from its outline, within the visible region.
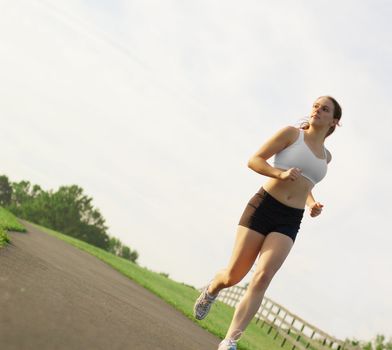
(279, 141)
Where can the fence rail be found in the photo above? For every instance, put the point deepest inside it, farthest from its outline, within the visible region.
(293, 329)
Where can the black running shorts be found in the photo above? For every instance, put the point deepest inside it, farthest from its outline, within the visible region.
(265, 214)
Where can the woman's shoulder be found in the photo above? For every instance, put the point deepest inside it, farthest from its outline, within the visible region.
(290, 128)
(289, 131)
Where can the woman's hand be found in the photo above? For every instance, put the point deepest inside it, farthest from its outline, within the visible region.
(315, 209)
(290, 174)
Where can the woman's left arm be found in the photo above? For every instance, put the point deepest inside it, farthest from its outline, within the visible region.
(315, 207)
(310, 200)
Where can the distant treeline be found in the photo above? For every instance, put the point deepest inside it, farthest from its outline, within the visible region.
(67, 210)
(380, 342)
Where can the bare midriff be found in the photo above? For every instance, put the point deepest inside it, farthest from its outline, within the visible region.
(291, 193)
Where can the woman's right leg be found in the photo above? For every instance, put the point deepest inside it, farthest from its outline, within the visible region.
(273, 253)
(246, 249)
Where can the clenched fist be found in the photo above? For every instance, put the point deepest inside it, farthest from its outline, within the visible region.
(315, 209)
(290, 174)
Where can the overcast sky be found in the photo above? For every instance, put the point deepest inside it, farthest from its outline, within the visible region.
(155, 107)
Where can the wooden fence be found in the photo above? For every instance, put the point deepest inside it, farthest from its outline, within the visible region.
(279, 321)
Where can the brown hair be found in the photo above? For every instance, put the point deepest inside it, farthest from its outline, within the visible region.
(337, 114)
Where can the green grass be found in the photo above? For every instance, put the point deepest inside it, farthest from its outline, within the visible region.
(8, 222)
(3, 237)
(180, 296)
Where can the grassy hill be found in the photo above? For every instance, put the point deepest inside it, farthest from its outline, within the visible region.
(8, 222)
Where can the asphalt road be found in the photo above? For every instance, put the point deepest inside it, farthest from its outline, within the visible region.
(55, 296)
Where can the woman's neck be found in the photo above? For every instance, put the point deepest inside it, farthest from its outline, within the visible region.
(315, 136)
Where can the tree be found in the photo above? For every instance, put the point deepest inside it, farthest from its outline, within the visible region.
(125, 252)
(72, 213)
(114, 246)
(67, 210)
(117, 248)
(134, 256)
(5, 191)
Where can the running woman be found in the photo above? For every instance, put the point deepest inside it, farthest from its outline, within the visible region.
(270, 222)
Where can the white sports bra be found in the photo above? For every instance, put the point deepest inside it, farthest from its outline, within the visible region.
(299, 155)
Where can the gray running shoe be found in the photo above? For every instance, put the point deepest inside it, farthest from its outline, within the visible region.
(227, 344)
(203, 304)
(231, 343)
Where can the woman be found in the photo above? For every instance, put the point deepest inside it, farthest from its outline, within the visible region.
(272, 217)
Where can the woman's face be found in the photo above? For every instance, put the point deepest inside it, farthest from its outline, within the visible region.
(322, 112)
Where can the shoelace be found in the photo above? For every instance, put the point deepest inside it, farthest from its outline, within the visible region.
(229, 344)
(206, 301)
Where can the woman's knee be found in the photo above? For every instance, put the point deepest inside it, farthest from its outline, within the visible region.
(261, 280)
(231, 278)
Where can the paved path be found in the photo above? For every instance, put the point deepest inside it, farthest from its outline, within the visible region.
(55, 296)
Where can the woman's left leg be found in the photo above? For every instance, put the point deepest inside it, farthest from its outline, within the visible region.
(274, 251)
